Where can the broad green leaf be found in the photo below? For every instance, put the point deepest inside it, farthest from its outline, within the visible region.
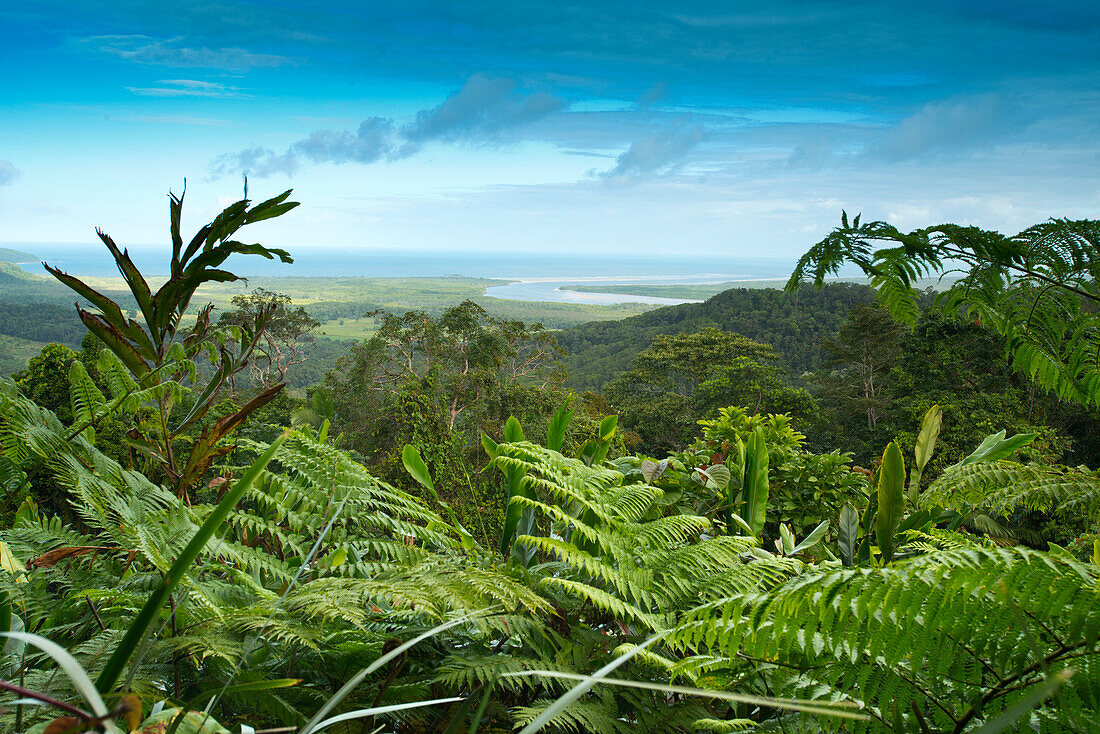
(514, 512)
(891, 499)
(785, 544)
(926, 438)
(996, 447)
(813, 538)
(847, 535)
(607, 427)
(513, 431)
(556, 434)
(740, 522)
(8, 561)
(417, 469)
(652, 470)
(717, 477)
(491, 447)
(754, 489)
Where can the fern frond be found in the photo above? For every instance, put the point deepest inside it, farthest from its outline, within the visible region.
(928, 632)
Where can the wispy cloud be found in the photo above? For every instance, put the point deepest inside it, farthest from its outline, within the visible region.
(660, 153)
(170, 52)
(8, 172)
(186, 88)
(481, 112)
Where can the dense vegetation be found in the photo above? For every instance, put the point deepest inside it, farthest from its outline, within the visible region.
(793, 326)
(441, 537)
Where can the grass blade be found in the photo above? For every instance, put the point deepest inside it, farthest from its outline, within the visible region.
(73, 669)
(363, 713)
(313, 724)
(574, 693)
(838, 709)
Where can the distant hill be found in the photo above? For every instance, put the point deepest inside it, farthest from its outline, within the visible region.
(794, 324)
(10, 271)
(16, 256)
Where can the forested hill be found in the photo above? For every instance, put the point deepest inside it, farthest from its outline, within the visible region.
(16, 256)
(794, 324)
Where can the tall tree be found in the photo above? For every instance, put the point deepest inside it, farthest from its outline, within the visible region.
(681, 378)
(437, 382)
(286, 340)
(866, 348)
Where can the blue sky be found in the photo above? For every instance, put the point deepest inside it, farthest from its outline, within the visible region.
(656, 128)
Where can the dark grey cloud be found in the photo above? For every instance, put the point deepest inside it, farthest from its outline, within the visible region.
(169, 52)
(482, 109)
(660, 153)
(8, 172)
(259, 162)
(481, 112)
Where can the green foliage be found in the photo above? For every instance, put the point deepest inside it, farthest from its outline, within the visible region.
(153, 352)
(1038, 288)
(925, 445)
(681, 378)
(891, 500)
(263, 576)
(960, 366)
(439, 383)
(940, 655)
(804, 488)
(623, 556)
(596, 352)
(43, 322)
(754, 482)
(287, 337)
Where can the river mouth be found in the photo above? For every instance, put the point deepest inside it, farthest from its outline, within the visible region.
(557, 290)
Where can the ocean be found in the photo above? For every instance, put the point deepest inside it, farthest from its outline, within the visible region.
(539, 275)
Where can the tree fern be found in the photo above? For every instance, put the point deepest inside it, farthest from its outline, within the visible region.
(1000, 487)
(1037, 288)
(950, 638)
